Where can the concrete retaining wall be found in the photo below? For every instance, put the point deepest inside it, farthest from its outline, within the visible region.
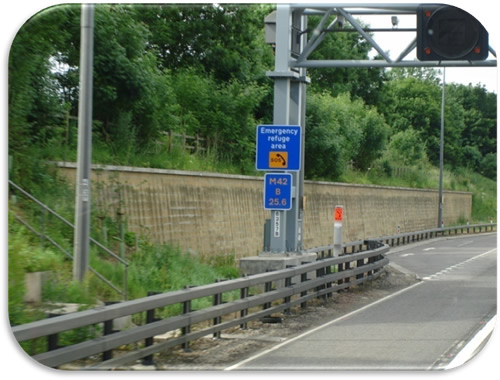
(372, 211)
(214, 213)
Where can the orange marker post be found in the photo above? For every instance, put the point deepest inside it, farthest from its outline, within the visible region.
(338, 216)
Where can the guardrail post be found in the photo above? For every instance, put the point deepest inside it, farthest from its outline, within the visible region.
(150, 318)
(267, 288)
(186, 308)
(359, 263)
(328, 270)
(347, 266)
(107, 330)
(217, 301)
(372, 245)
(52, 339)
(340, 268)
(320, 272)
(244, 312)
(371, 260)
(303, 278)
(288, 282)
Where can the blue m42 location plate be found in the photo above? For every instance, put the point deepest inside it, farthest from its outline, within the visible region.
(278, 147)
(277, 191)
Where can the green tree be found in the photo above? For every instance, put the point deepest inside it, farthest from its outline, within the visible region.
(201, 70)
(340, 130)
(410, 102)
(128, 88)
(488, 166)
(224, 40)
(406, 149)
(412, 99)
(479, 116)
(33, 98)
(324, 156)
(225, 113)
(363, 83)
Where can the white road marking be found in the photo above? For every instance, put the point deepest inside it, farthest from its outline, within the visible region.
(455, 266)
(429, 249)
(407, 254)
(274, 348)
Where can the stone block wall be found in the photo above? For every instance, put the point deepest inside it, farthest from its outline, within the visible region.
(215, 213)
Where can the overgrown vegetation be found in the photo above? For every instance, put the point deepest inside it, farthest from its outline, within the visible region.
(152, 268)
(200, 70)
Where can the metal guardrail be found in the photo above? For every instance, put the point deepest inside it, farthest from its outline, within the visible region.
(411, 237)
(42, 235)
(408, 237)
(284, 289)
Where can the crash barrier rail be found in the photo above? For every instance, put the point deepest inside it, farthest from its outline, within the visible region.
(283, 289)
(45, 237)
(409, 237)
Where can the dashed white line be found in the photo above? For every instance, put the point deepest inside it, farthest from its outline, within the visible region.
(455, 266)
(407, 254)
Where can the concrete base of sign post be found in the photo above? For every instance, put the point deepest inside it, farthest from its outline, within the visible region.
(267, 262)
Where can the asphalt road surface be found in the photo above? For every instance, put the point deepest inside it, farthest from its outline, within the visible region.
(430, 325)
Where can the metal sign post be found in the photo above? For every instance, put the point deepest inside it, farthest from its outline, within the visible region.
(289, 110)
(279, 148)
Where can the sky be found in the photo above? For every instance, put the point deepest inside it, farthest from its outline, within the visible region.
(396, 42)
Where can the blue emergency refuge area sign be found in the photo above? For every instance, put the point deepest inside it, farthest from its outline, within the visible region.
(277, 191)
(278, 147)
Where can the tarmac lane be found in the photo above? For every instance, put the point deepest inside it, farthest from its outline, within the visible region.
(422, 327)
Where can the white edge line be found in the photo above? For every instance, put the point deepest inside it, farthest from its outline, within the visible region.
(237, 365)
(468, 351)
